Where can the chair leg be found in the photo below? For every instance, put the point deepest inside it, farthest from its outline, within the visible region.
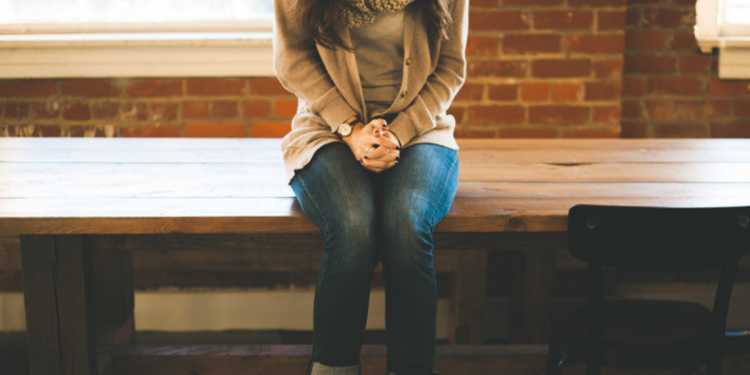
(553, 359)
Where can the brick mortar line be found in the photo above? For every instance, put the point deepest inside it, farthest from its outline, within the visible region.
(117, 122)
(157, 99)
(514, 80)
(546, 103)
(556, 7)
(564, 55)
(534, 31)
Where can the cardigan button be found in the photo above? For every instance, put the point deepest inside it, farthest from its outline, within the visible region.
(403, 94)
(408, 61)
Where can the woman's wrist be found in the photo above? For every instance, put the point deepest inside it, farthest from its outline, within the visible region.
(344, 128)
(356, 129)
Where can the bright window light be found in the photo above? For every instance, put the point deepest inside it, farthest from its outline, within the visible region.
(121, 13)
(734, 18)
(738, 11)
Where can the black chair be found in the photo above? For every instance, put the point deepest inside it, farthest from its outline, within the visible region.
(645, 333)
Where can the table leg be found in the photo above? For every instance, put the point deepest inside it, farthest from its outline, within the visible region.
(531, 294)
(468, 290)
(113, 297)
(57, 275)
(113, 300)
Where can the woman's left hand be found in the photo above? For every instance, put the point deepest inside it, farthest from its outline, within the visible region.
(389, 151)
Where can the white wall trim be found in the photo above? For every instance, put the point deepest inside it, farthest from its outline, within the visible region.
(260, 23)
(219, 54)
(707, 20)
(184, 310)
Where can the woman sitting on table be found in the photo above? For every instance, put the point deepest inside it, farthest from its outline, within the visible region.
(372, 160)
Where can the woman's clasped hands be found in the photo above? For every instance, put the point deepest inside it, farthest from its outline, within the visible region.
(374, 146)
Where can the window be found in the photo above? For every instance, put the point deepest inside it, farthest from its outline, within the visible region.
(725, 25)
(134, 15)
(734, 18)
(126, 38)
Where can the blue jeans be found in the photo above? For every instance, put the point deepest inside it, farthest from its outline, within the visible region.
(367, 217)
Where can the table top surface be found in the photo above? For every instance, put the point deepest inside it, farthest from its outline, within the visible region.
(190, 185)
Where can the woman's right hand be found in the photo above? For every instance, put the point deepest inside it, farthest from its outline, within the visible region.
(366, 142)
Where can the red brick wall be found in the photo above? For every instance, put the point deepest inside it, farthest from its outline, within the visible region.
(670, 90)
(189, 107)
(543, 68)
(537, 68)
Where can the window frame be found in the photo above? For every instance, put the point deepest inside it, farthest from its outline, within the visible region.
(727, 29)
(734, 51)
(124, 50)
(251, 25)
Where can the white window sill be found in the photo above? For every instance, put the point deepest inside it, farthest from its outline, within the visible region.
(734, 55)
(168, 54)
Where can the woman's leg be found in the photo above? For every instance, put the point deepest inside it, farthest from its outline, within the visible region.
(336, 193)
(412, 197)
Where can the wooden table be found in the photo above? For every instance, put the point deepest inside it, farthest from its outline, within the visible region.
(80, 206)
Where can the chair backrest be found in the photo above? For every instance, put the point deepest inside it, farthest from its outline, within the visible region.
(657, 238)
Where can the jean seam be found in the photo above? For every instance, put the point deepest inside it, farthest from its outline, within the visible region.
(325, 230)
(444, 189)
(317, 206)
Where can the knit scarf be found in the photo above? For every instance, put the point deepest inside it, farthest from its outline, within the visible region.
(364, 12)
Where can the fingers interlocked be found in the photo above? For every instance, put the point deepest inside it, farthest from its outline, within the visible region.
(383, 149)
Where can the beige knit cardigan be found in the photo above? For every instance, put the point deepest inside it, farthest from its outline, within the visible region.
(329, 90)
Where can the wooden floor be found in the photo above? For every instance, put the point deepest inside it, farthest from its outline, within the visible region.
(292, 359)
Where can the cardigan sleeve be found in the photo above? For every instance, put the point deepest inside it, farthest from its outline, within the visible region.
(299, 69)
(442, 85)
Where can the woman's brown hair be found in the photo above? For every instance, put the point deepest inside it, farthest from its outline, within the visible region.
(323, 19)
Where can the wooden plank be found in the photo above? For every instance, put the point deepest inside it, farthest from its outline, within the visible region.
(149, 209)
(132, 216)
(74, 276)
(273, 173)
(530, 295)
(273, 242)
(304, 350)
(91, 172)
(40, 300)
(270, 251)
(607, 172)
(14, 360)
(238, 187)
(627, 144)
(57, 296)
(265, 178)
(185, 215)
(578, 156)
(10, 253)
(265, 154)
(261, 154)
(135, 225)
(114, 305)
(468, 290)
(286, 359)
(257, 189)
(138, 144)
(255, 260)
(533, 190)
(113, 296)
